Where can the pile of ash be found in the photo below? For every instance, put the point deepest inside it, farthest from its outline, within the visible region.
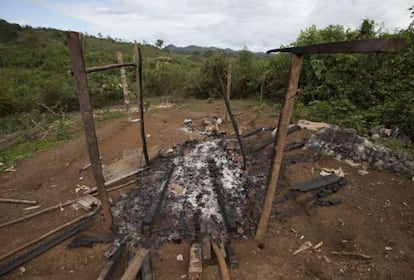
(202, 171)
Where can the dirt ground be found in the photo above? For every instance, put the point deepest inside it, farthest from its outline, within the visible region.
(368, 236)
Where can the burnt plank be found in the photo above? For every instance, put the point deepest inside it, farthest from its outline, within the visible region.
(318, 182)
(390, 45)
(231, 256)
(225, 206)
(150, 216)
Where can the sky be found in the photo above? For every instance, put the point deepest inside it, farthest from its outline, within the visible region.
(258, 25)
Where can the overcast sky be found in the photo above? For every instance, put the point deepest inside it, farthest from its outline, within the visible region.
(258, 25)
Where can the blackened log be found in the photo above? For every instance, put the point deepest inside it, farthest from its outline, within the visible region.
(150, 216)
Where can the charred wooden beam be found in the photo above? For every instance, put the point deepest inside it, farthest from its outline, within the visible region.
(111, 264)
(231, 256)
(146, 270)
(150, 216)
(389, 45)
(233, 120)
(206, 248)
(225, 206)
(43, 247)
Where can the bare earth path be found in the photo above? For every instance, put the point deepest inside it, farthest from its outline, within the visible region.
(376, 218)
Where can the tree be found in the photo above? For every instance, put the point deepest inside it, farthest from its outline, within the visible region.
(159, 43)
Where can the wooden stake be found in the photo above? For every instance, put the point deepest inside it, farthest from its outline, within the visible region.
(280, 139)
(124, 84)
(228, 86)
(81, 82)
(134, 266)
(138, 73)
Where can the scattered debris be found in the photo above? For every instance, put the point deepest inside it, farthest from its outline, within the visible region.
(89, 240)
(32, 207)
(318, 245)
(329, 171)
(88, 202)
(83, 188)
(10, 169)
(351, 254)
(345, 143)
(314, 126)
(362, 172)
(305, 246)
(180, 258)
(212, 126)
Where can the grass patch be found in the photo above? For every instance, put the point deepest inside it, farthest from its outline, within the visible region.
(26, 150)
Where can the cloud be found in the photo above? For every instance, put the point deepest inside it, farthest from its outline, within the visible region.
(259, 24)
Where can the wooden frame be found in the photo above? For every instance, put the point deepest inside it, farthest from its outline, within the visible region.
(79, 71)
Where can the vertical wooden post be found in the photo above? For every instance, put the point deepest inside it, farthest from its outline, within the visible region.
(81, 82)
(138, 72)
(280, 139)
(124, 83)
(228, 86)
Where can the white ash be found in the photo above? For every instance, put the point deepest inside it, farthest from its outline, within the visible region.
(190, 189)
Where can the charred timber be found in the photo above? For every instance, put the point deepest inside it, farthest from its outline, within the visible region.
(233, 120)
(150, 216)
(225, 207)
(390, 45)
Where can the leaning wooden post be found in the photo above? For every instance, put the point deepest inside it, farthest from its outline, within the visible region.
(228, 86)
(280, 139)
(138, 72)
(124, 84)
(81, 82)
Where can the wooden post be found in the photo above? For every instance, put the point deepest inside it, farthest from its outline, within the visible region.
(124, 84)
(280, 139)
(81, 82)
(228, 86)
(138, 72)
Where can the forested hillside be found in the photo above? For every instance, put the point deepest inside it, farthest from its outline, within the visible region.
(351, 90)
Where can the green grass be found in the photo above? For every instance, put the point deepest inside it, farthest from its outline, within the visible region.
(26, 150)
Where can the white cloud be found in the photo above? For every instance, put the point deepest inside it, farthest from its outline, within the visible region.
(259, 25)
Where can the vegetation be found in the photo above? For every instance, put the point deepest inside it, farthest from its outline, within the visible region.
(353, 90)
